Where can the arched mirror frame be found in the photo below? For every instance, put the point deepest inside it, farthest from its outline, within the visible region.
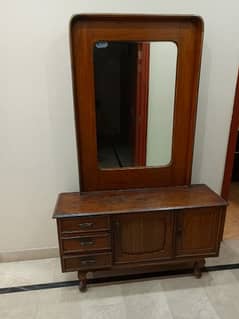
(187, 33)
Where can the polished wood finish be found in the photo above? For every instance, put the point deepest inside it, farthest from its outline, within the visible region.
(141, 104)
(191, 240)
(83, 225)
(139, 228)
(144, 237)
(87, 262)
(124, 220)
(186, 32)
(139, 200)
(231, 145)
(87, 243)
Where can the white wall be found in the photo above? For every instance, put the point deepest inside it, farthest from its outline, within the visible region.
(38, 155)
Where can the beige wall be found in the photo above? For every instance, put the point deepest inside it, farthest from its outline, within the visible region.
(38, 155)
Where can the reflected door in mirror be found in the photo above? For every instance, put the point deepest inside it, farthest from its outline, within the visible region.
(134, 102)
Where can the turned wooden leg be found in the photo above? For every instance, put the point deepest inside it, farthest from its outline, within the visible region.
(82, 281)
(197, 270)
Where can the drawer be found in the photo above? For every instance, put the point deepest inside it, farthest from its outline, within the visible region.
(91, 242)
(85, 262)
(84, 224)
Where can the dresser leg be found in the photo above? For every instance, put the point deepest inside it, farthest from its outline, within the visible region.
(198, 265)
(82, 281)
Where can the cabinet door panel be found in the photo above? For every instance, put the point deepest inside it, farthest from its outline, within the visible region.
(198, 231)
(142, 237)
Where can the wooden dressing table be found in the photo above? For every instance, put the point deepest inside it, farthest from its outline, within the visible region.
(136, 209)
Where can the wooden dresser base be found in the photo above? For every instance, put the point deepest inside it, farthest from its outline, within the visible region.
(82, 281)
(132, 231)
(196, 266)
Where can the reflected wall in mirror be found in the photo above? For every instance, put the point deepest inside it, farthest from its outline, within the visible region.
(134, 96)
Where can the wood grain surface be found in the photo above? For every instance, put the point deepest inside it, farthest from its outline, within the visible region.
(125, 201)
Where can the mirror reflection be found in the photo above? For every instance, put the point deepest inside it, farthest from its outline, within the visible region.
(134, 96)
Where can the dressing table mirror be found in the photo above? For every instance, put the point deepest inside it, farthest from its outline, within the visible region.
(135, 82)
(134, 103)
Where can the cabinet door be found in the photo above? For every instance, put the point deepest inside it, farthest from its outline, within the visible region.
(199, 231)
(142, 237)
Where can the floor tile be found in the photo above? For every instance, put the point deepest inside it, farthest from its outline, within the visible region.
(229, 254)
(27, 272)
(19, 306)
(222, 292)
(145, 299)
(187, 299)
(214, 296)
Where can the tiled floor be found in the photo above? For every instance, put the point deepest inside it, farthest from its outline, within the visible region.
(215, 295)
(232, 219)
(49, 270)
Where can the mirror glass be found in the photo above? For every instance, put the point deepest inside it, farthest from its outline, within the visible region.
(134, 95)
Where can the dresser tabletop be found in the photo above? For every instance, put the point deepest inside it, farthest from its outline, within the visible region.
(135, 200)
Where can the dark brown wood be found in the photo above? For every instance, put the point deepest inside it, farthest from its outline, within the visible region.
(82, 281)
(146, 268)
(109, 226)
(167, 227)
(198, 232)
(144, 237)
(187, 33)
(172, 264)
(231, 145)
(87, 243)
(87, 262)
(85, 224)
(125, 201)
(141, 109)
(198, 265)
(221, 228)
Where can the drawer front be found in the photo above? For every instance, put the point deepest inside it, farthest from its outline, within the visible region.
(84, 224)
(91, 242)
(87, 262)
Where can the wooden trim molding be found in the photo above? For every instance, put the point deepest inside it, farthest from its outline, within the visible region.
(231, 145)
(141, 114)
